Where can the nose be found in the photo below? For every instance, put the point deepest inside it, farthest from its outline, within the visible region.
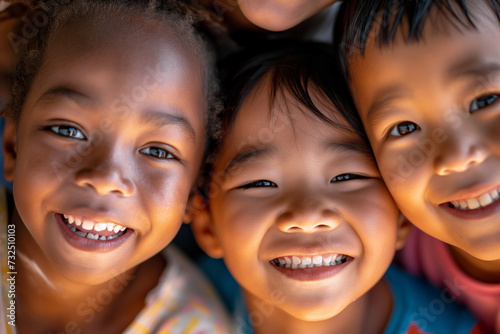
(105, 172)
(460, 151)
(308, 215)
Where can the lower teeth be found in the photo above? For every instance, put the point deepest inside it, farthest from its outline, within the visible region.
(93, 236)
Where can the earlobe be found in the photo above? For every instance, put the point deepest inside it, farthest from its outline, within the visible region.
(404, 228)
(9, 149)
(202, 227)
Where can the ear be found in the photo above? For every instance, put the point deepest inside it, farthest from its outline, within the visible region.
(404, 228)
(9, 148)
(202, 226)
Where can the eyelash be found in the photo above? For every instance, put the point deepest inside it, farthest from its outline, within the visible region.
(161, 153)
(347, 177)
(67, 131)
(484, 98)
(409, 127)
(259, 184)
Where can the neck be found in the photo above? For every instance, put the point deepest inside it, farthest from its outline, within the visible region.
(374, 307)
(48, 302)
(485, 271)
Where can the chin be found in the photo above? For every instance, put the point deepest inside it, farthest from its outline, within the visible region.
(313, 314)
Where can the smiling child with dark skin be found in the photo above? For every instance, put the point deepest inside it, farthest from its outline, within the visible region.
(103, 142)
(426, 82)
(294, 204)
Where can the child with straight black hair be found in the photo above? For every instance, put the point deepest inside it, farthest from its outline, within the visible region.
(104, 138)
(425, 76)
(294, 204)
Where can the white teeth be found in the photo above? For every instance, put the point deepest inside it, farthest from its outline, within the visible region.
(92, 236)
(100, 227)
(296, 262)
(89, 225)
(317, 260)
(86, 225)
(494, 194)
(475, 203)
(485, 200)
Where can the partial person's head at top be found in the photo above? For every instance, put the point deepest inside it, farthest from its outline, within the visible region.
(425, 77)
(279, 15)
(292, 184)
(10, 25)
(105, 134)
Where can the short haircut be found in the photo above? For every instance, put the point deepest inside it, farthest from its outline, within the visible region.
(297, 70)
(357, 19)
(294, 67)
(194, 26)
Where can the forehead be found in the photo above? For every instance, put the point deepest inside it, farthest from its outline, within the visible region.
(118, 60)
(444, 54)
(284, 123)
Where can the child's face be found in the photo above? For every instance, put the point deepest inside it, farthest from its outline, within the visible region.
(432, 113)
(110, 137)
(274, 199)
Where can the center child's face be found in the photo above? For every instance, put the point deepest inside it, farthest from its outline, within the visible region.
(109, 143)
(432, 113)
(303, 218)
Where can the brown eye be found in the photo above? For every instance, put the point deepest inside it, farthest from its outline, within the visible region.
(403, 129)
(483, 102)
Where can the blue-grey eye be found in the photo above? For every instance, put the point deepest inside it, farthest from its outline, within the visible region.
(157, 153)
(67, 131)
(483, 102)
(403, 129)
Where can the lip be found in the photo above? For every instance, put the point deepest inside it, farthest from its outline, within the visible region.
(90, 245)
(479, 213)
(313, 274)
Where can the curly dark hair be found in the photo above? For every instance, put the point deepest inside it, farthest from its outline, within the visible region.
(194, 26)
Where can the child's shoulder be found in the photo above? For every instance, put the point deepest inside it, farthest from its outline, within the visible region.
(183, 301)
(419, 307)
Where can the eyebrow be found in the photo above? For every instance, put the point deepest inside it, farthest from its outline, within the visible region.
(249, 154)
(78, 97)
(471, 66)
(351, 146)
(163, 118)
(148, 116)
(390, 94)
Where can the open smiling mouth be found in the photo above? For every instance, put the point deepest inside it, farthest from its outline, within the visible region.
(89, 229)
(304, 262)
(476, 203)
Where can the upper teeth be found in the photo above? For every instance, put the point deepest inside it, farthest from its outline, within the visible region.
(481, 201)
(297, 262)
(90, 225)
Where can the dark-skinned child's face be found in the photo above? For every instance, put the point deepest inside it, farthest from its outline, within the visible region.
(108, 145)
